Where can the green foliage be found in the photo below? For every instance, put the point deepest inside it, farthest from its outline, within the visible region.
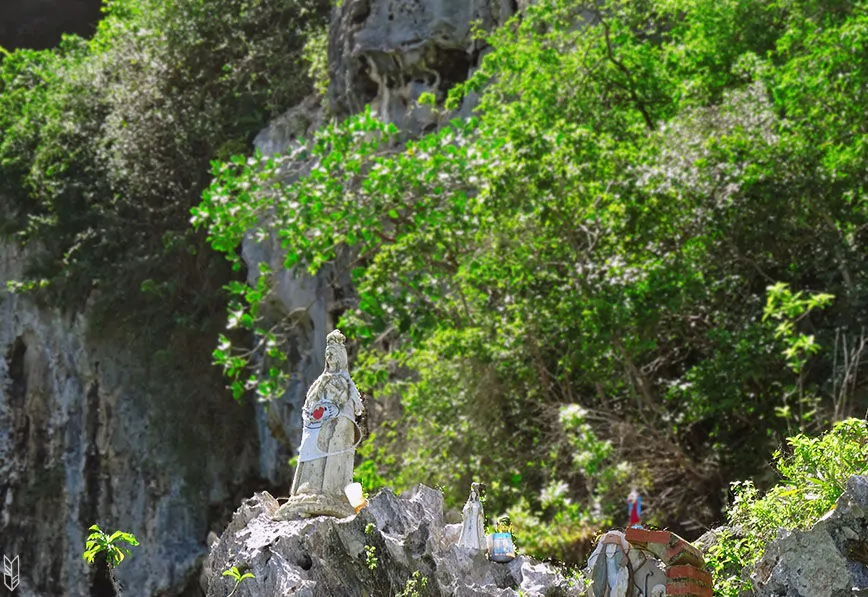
(814, 473)
(562, 527)
(236, 574)
(105, 145)
(788, 308)
(414, 585)
(101, 542)
(316, 55)
(599, 236)
(367, 473)
(371, 559)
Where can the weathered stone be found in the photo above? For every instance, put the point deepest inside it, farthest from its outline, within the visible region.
(327, 556)
(828, 560)
(91, 433)
(285, 131)
(387, 53)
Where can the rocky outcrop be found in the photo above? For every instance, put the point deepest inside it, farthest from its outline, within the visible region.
(375, 552)
(828, 560)
(92, 433)
(387, 53)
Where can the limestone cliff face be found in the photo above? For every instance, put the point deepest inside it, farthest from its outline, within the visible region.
(91, 434)
(389, 52)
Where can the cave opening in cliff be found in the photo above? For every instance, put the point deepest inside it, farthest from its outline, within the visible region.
(453, 66)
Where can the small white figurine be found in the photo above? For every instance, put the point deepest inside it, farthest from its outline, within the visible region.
(473, 529)
(610, 566)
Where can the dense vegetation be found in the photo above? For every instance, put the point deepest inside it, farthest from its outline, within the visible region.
(641, 264)
(105, 144)
(813, 475)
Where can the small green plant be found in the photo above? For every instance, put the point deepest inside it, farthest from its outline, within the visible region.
(236, 574)
(371, 557)
(788, 309)
(414, 585)
(99, 541)
(370, 550)
(503, 525)
(814, 476)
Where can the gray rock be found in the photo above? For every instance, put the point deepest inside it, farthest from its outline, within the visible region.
(388, 52)
(327, 556)
(285, 131)
(829, 560)
(89, 433)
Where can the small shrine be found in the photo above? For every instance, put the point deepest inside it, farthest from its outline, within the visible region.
(644, 563)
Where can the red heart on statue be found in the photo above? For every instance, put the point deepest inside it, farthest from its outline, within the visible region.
(317, 412)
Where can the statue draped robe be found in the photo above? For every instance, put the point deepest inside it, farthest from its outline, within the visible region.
(325, 463)
(328, 441)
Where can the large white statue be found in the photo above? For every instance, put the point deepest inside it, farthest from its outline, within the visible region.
(473, 529)
(328, 442)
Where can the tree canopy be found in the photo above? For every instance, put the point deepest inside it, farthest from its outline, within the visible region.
(641, 263)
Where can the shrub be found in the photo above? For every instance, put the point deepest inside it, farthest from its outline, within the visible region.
(106, 145)
(814, 473)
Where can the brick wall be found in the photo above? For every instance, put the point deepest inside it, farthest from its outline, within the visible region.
(686, 574)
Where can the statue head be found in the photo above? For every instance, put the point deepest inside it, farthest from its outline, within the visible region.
(335, 353)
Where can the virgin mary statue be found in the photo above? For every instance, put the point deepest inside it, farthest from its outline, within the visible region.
(473, 527)
(328, 442)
